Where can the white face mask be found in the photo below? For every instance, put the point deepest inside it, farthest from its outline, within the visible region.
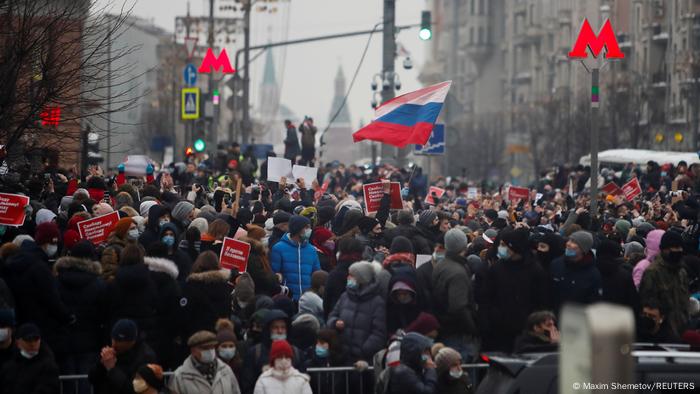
(133, 234)
(4, 334)
(28, 355)
(456, 374)
(208, 356)
(283, 364)
(51, 250)
(140, 385)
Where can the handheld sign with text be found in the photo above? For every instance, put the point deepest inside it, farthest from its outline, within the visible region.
(12, 209)
(612, 189)
(322, 190)
(373, 193)
(97, 229)
(438, 192)
(518, 193)
(631, 189)
(234, 254)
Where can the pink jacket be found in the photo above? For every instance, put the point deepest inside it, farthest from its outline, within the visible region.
(653, 240)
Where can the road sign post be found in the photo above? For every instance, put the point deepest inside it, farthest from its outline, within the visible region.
(190, 75)
(436, 143)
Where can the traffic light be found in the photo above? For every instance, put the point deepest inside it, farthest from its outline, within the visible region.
(199, 145)
(215, 97)
(426, 29)
(93, 148)
(189, 151)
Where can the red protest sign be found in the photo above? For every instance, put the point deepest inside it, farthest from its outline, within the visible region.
(518, 193)
(12, 209)
(438, 192)
(612, 189)
(631, 189)
(97, 229)
(322, 190)
(373, 193)
(234, 254)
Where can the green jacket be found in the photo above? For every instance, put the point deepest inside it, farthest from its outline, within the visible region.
(667, 284)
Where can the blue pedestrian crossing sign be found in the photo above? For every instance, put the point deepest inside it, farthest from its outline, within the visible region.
(190, 103)
(436, 143)
(190, 75)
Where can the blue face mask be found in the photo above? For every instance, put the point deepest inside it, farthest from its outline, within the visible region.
(424, 357)
(278, 337)
(321, 351)
(352, 283)
(169, 240)
(570, 253)
(663, 173)
(503, 252)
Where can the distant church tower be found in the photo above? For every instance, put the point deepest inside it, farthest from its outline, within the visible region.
(269, 104)
(338, 138)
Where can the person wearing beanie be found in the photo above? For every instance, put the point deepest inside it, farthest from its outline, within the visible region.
(350, 250)
(360, 313)
(46, 237)
(280, 220)
(203, 371)
(453, 297)
(119, 362)
(666, 280)
(451, 378)
(549, 247)
(227, 348)
(182, 214)
(417, 371)
(201, 224)
(274, 329)
(82, 290)
(281, 376)
(32, 367)
(618, 287)
(325, 243)
(327, 352)
(406, 228)
(575, 276)
(145, 207)
(516, 275)
(148, 379)
(622, 228)
(44, 216)
(294, 258)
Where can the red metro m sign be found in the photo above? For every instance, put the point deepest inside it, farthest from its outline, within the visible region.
(587, 39)
(212, 63)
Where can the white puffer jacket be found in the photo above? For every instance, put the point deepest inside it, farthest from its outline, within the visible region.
(295, 382)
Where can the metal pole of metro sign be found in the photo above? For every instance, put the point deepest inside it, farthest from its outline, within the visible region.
(595, 107)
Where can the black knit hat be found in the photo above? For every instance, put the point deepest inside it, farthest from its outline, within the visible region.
(671, 239)
(517, 240)
(401, 244)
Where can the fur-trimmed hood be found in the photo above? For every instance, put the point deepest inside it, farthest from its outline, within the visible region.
(74, 263)
(218, 276)
(159, 264)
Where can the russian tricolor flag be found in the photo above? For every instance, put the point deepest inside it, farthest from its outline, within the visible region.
(407, 119)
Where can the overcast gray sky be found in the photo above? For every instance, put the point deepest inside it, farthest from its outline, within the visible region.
(311, 68)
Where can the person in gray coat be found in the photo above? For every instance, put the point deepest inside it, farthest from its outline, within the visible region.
(360, 313)
(453, 297)
(202, 372)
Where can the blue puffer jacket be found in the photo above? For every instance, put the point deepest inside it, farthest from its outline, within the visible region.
(296, 262)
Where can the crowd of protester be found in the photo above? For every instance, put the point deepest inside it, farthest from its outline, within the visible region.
(414, 292)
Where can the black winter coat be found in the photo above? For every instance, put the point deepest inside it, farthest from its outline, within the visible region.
(575, 282)
(337, 282)
(453, 297)
(410, 377)
(265, 281)
(513, 290)
(164, 274)
(133, 295)
(206, 297)
(36, 293)
(618, 285)
(38, 375)
(119, 379)
(84, 293)
(151, 233)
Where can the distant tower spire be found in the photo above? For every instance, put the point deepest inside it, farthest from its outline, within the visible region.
(344, 115)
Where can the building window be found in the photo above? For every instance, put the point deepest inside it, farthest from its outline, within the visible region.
(472, 5)
(482, 8)
(471, 34)
(481, 35)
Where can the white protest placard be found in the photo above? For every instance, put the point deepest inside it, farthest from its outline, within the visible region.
(277, 168)
(308, 174)
(422, 259)
(472, 193)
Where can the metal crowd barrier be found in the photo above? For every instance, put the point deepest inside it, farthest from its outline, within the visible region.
(70, 384)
